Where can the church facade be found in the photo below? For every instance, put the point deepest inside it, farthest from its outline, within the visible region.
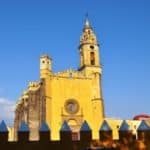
(71, 95)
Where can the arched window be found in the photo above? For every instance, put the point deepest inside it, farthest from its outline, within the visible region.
(92, 58)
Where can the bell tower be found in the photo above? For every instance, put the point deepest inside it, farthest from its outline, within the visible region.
(89, 50)
(90, 66)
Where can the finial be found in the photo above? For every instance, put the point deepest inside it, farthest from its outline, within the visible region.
(105, 126)
(23, 127)
(85, 127)
(87, 23)
(124, 126)
(143, 126)
(44, 127)
(3, 127)
(65, 127)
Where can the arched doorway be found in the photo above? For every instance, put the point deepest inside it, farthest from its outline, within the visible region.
(75, 129)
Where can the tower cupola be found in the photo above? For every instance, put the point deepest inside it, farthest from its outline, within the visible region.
(88, 36)
(45, 66)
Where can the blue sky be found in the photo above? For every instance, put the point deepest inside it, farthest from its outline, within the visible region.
(31, 28)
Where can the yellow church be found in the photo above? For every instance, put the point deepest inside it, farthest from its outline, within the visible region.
(71, 95)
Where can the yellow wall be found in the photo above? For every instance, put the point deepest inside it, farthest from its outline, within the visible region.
(60, 88)
(113, 123)
(10, 134)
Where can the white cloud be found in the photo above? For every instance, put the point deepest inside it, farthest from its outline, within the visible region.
(7, 109)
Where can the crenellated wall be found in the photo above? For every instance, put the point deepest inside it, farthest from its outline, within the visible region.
(67, 141)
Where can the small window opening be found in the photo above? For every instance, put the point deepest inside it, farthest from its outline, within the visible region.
(92, 58)
(43, 61)
(92, 47)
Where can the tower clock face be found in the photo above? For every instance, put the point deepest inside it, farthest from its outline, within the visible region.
(72, 106)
